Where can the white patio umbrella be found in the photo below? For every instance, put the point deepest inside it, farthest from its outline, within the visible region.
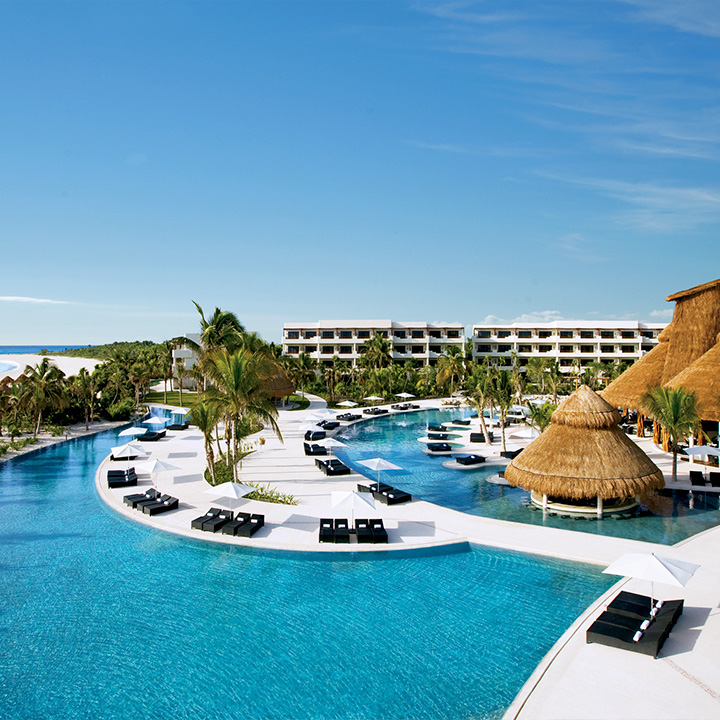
(379, 464)
(703, 450)
(312, 428)
(230, 493)
(325, 415)
(127, 451)
(331, 443)
(352, 502)
(156, 420)
(134, 430)
(154, 467)
(405, 395)
(347, 404)
(373, 398)
(644, 566)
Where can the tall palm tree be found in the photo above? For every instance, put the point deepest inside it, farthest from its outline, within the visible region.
(450, 365)
(503, 393)
(553, 378)
(536, 371)
(675, 410)
(481, 395)
(378, 352)
(165, 364)
(84, 388)
(206, 415)
(238, 388)
(303, 369)
(45, 388)
(540, 415)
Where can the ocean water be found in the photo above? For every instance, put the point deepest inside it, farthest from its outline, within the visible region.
(34, 349)
(665, 519)
(104, 617)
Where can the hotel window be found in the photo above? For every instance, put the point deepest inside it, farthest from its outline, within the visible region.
(587, 348)
(567, 334)
(524, 334)
(628, 348)
(565, 362)
(327, 350)
(293, 349)
(328, 334)
(453, 334)
(482, 348)
(587, 334)
(400, 349)
(418, 334)
(310, 348)
(566, 348)
(482, 334)
(607, 334)
(310, 334)
(381, 333)
(400, 334)
(627, 334)
(649, 334)
(504, 348)
(503, 333)
(293, 335)
(544, 333)
(545, 348)
(436, 348)
(435, 334)
(345, 334)
(607, 348)
(363, 334)
(345, 349)
(416, 349)
(647, 348)
(524, 348)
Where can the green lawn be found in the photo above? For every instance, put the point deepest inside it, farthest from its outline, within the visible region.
(173, 398)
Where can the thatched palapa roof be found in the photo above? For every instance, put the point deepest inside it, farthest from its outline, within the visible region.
(584, 455)
(280, 385)
(625, 390)
(703, 378)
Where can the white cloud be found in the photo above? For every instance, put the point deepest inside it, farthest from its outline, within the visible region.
(540, 316)
(664, 314)
(22, 299)
(490, 319)
(699, 17)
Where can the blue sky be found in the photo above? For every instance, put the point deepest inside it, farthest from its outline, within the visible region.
(299, 160)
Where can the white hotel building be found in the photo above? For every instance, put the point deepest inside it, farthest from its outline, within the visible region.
(566, 341)
(323, 340)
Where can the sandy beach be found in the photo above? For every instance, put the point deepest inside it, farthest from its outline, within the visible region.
(69, 365)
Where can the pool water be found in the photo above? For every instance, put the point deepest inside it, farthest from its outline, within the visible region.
(665, 519)
(104, 617)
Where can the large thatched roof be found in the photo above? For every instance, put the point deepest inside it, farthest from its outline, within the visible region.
(694, 328)
(625, 391)
(583, 460)
(703, 378)
(280, 385)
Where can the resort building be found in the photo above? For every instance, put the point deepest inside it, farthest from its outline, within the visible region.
(323, 340)
(183, 355)
(569, 342)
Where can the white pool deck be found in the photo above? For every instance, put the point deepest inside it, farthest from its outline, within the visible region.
(574, 680)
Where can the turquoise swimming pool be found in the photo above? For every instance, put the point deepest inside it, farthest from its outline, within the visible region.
(664, 519)
(103, 617)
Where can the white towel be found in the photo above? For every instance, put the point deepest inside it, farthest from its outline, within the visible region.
(637, 636)
(645, 625)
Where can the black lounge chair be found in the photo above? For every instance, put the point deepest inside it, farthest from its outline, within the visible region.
(379, 533)
(696, 477)
(510, 454)
(348, 417)
(122, 480)
(715, 479)
(411, 406)
(647, 642)
(151, 436)
(232, 527)
(133, 500)
(197, 523)
(436, 428)
(178, 426)
(341, 532)
(315, 435)
(639, 606)
(363, 531)
(249, 528)
(314, 449)
(329, 424)
(469, 459)
(437, 436)
(216, 523)
(158, 499)
(336, 467)
(439, 447)
(171, 503)
(373, 487)
(124, 458)
(460, 422)
(326, 530)
(392, 496)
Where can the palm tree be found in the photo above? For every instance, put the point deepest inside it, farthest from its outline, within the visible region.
(165, 364)
(181, 372)
(45, 388)
(84, 388)
(239, 380)
(481, 395)
(206, 415)
(553, 377)
(378, 352)
(503, 393)
(450, 365)
(540, 415)
(536, 372)
(675, 410)
(303, 369)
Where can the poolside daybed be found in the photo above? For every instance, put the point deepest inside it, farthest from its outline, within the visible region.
(149, 494)
(197, 523)
(232, 527)
(392, 496)
(249, 528)
(122, 478)
(469, 459)
(163, 504)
